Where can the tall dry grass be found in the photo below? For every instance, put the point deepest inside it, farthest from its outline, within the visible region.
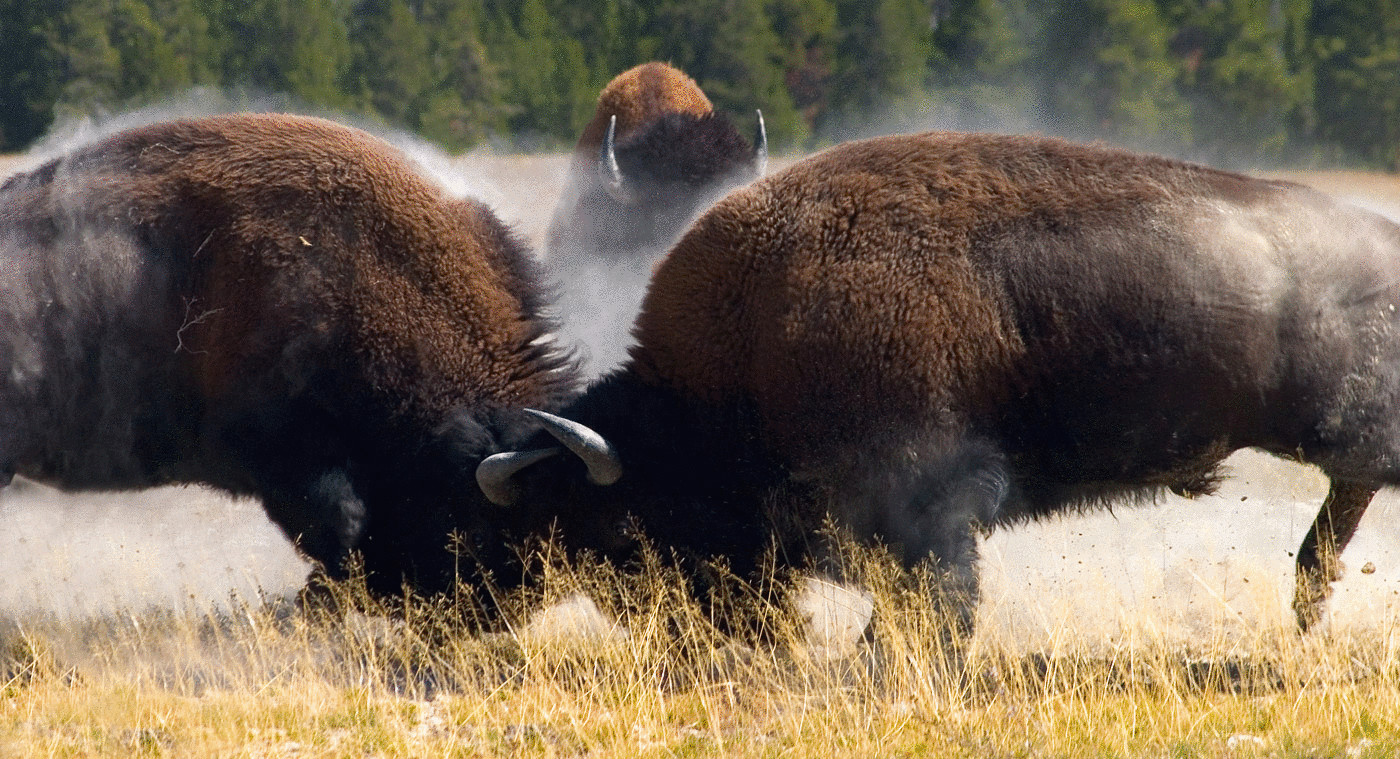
(658, 673)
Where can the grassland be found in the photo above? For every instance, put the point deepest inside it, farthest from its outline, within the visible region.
(653, 675)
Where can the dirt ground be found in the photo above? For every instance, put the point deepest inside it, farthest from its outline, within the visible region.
(1175, 569)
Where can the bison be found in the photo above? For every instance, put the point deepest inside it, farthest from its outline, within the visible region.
(654, 155)
(279, 307)
(920, 336)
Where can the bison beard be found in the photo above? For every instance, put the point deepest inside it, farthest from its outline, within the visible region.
(279, 307)
(921, 336)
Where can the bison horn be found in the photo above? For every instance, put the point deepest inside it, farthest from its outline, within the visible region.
(496, 474)
(604, 467)
(760, 147)
(607, 165)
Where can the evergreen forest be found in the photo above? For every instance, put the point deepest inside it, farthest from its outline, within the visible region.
(1302, 81)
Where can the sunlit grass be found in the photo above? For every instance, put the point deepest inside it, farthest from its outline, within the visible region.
(668, 679)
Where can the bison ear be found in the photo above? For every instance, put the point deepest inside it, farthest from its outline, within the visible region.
(608, 170)
(604, 466)
(760, 147)
(495, 475)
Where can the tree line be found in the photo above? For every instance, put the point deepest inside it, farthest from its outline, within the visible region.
(1252, 80)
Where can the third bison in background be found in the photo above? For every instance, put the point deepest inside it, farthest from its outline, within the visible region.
(653, 158)
(920, 335)
(654, 155)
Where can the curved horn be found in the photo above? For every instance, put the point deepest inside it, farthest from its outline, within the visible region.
(760, 147)
(495, 474)
(604, 467)
(609, 171)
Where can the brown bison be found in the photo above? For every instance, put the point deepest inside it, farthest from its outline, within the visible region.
(919, 335)
(279, 307)
(654, 155)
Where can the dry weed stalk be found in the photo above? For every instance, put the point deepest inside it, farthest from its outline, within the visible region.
(650, 668)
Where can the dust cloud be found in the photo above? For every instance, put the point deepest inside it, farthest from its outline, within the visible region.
(1179, 569)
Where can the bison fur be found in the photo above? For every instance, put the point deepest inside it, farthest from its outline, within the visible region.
(920, 336)
(279, 307)
(674, 155)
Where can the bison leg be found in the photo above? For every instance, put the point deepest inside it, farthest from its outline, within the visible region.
(7, 450)
(323, 517)
(940, 523)
(1318, 564)
(930, 516)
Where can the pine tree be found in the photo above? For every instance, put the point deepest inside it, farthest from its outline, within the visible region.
(807, 35)
(84, 63)
(730, 49)
(881, 56)
(547, 87)
(300, 48)
(465, 105)
(1106, 70)
(1235, 69)
(28, 88)
(978, 67)
(1358, 77)
(391, 63)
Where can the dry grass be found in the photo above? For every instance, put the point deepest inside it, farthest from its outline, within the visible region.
(667, 681)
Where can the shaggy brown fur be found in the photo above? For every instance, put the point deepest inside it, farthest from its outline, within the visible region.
(275, 305)
(870, 252)
(434, 313)
(917, 334)
(636, 97)
(675, 155)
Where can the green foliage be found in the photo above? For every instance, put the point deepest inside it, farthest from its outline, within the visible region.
(1237, 72)
(1252, 79)
(806, 32)
(730, 49)
(981, 49)
(1357, 46)
(423, 66)
(547, 87)
(300, 48)
(27, 88)
(103, 54)
(1108, 71)
(882, 49)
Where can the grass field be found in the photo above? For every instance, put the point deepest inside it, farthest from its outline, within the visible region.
(132, 625)
(251, 681)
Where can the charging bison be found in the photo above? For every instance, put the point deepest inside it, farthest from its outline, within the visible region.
(918, 335)
(654, 155)
(279, 307)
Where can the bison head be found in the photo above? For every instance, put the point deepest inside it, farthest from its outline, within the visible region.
(644, 188)
(644, 464)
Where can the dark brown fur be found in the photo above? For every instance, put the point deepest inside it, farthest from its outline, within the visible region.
(675, 153)
(915, 335)
(637, 97)
(278, 306)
